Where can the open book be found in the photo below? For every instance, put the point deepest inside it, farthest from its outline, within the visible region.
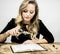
(26, 47)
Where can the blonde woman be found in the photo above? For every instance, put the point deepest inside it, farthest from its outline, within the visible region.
(26, 27)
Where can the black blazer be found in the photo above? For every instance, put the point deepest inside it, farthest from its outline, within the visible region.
(42, 30)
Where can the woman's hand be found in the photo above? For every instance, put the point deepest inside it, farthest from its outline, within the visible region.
(28, 42)
(13, 32)
(35, 41)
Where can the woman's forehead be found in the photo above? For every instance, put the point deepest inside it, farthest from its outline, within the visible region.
(30, 7)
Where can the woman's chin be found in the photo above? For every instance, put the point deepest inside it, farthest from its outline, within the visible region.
(27, 20)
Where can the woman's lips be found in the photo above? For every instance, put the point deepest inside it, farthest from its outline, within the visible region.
(27, 17)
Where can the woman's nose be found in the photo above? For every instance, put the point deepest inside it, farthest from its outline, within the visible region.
(28, 14)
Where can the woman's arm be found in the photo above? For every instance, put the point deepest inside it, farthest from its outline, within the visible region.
(3, 36)
(38, 41)
(42, 41)
(47, 35)
(12, 32)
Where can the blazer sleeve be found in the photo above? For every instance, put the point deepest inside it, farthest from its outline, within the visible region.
(46, 33)
(10, 25)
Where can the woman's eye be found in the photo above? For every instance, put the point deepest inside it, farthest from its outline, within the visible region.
(31, 12)
(25, 11)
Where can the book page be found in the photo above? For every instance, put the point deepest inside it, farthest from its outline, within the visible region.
(26, 47)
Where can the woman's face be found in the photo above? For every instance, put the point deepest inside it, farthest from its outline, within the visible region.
(29, 12)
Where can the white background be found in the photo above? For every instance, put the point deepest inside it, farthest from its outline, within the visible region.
(49, 13)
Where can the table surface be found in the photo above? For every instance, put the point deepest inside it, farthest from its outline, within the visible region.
(53, 48)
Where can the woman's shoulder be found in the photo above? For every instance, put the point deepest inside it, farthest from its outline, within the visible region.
(41, 24)
(12, 22)
(40, 21)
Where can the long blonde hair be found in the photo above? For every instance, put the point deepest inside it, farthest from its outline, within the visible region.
(33, 27)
